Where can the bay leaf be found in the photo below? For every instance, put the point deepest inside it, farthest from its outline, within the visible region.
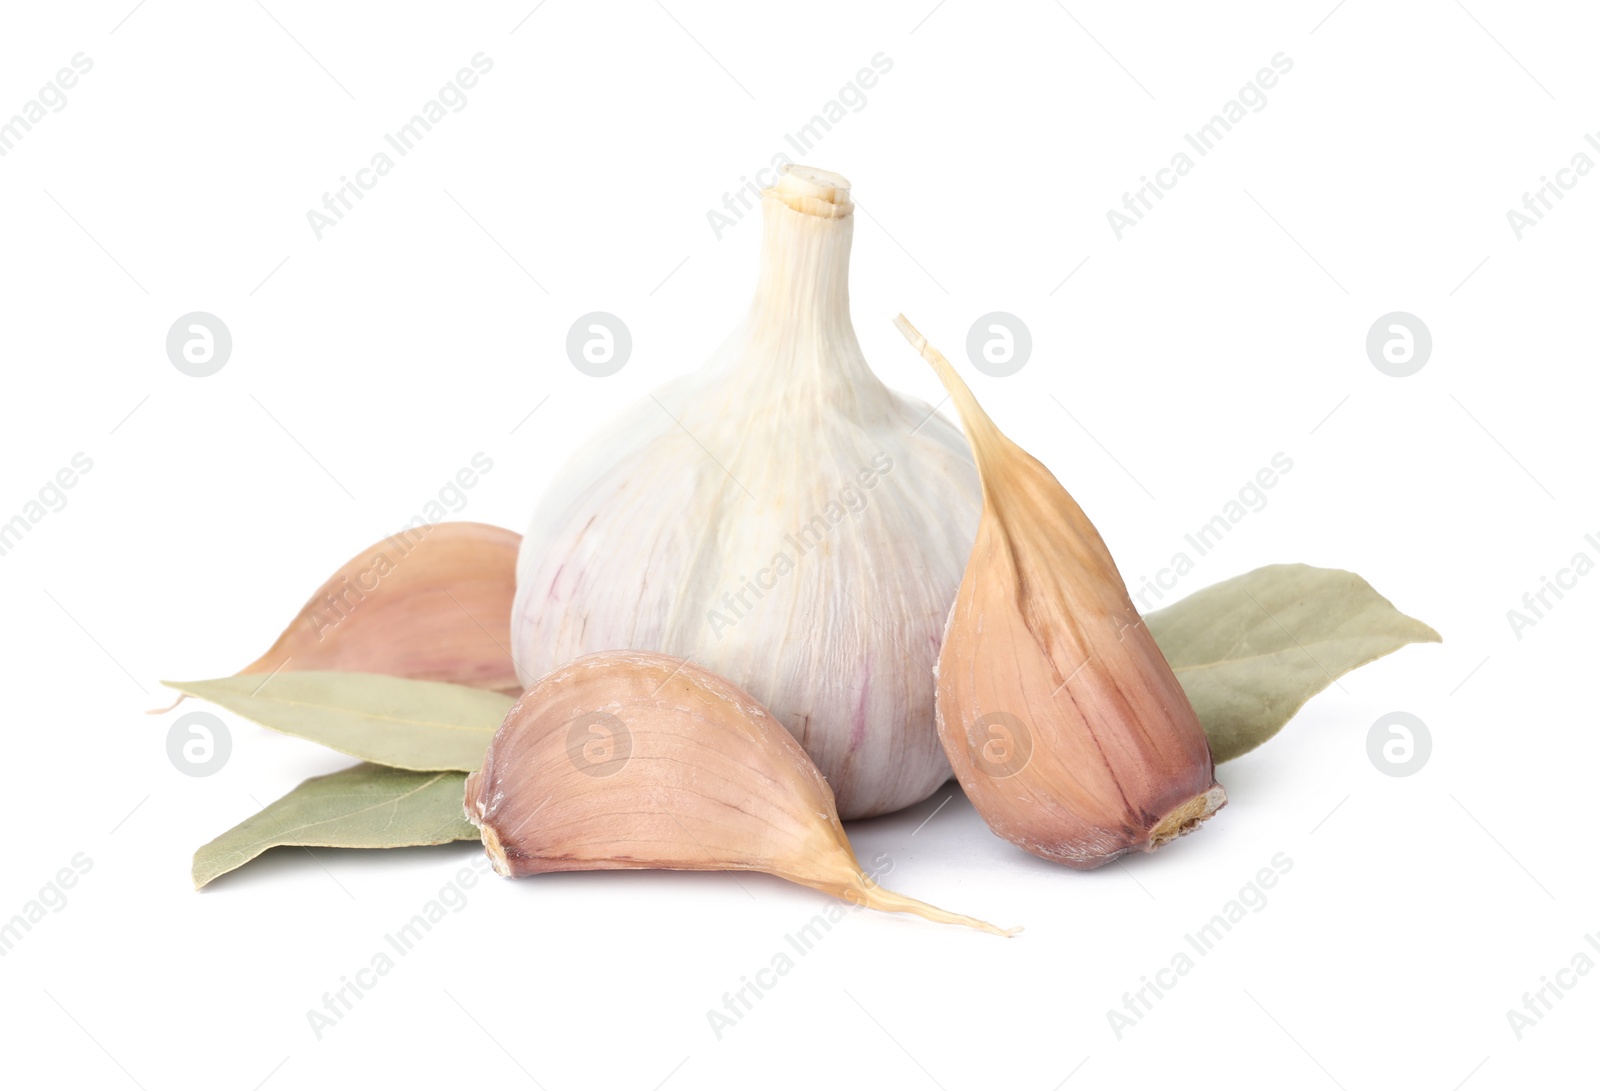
(432, 601)
(363, 807)
(1252, 650)
(400, 722)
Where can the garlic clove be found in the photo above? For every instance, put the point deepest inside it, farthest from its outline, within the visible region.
(627, 759)
(431, 602)
(1062, 719)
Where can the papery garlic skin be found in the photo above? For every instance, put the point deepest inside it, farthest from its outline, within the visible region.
(780, 517)
(1066, 726)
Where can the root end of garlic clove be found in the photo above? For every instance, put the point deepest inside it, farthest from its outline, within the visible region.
(492, 848)
(1187, 817)
(495, 851)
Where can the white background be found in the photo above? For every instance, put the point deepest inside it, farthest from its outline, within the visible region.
(370, 365)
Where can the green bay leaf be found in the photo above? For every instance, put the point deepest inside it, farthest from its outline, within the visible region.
(364, 807)
(400, 722)
(1252, 650)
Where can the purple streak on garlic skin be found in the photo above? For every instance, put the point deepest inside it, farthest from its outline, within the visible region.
(858, 721)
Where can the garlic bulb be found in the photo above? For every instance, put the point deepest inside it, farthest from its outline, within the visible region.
(623, 760)
(779, 517)
(1062, 719)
